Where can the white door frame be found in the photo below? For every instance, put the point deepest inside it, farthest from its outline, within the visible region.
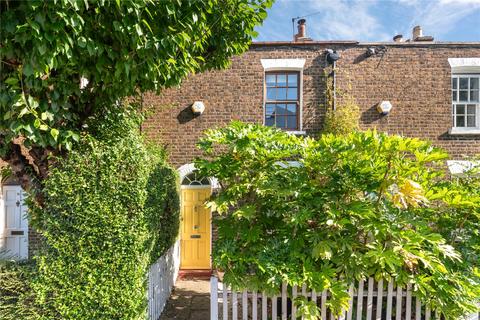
(20, 232)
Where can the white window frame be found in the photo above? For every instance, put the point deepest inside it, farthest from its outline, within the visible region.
(464, 68)
(468, 102)
(285, 65)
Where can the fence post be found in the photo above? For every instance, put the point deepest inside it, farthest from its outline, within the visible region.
(213, 298)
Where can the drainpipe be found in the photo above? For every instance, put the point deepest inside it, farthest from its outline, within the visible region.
(334, 85)
(331, 58)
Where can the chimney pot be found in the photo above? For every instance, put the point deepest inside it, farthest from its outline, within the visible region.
(302, 29)
(301, 36)
(398, 38)
(417, 32)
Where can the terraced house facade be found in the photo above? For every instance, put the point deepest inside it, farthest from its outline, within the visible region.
(414, 87)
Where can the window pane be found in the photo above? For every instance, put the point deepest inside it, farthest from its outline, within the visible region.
(270, 121)
(292, 80)
(269, 108)
(291, 109)
(460, 121)
(281, 93)
(463, 95)
(292, 94)
(292, 122)
(463, 83)
(474, 83)
(271, 93)
(471, 109)
(270, 79)
(471, 121)
(460, 109)
(454, 95)
(280, 109)
(280, 122)
(473, 95)
(454, 83)
(281, 80)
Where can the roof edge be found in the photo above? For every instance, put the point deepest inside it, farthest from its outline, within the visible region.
(354, 42)
(301, 43)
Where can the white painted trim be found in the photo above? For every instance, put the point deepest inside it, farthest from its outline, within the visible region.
(466, 65)
(282, 64)
(464, 131)
(188, 168)
(196, 187)
(298, 133)
(458, 167)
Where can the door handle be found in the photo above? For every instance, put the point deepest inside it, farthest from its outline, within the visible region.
(18, 203)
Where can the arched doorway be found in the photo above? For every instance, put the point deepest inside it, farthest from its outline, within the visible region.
(195, 227)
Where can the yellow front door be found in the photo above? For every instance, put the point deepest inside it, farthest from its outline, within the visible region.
(195, 232)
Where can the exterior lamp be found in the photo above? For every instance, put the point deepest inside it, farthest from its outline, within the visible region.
(197, 108)
(384, 107)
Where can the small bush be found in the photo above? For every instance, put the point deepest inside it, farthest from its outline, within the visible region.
(16, 297)
(344, 119)
(111, 209)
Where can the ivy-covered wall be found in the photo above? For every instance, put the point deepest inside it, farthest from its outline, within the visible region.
(111, 208)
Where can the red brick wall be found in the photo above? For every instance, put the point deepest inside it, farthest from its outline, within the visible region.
(416, 79)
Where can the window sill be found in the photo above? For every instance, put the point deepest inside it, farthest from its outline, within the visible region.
(464, 131)
(297, 133)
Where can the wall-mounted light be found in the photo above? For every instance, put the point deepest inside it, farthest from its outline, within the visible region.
(331, 56)
(197, 108)
(384, 107)
(373, 51)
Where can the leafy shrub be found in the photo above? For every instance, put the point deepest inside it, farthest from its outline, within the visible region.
(352, 206)
(16, 297)
(343, 119)
(111, 208)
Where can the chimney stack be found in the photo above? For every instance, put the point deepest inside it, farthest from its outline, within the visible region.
(302, 32)
(417, 33)
(398, 38)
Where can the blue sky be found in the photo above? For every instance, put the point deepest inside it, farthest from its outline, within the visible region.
(374, 20)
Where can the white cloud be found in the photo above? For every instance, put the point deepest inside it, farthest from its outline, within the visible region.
(369, 20)
(439, 17)
(351, 20)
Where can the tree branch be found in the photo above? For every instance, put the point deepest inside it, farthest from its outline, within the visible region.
(22, 169)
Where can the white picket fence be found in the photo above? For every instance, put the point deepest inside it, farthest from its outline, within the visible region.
(161, 279)
(396, 303)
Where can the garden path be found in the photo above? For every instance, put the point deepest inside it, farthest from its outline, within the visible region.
(190, 300)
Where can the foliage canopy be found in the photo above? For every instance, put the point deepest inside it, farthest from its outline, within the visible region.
(120, 48)
(330, 211)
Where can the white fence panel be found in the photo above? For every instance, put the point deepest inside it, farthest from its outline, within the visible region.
(369, 300)
(161, 279)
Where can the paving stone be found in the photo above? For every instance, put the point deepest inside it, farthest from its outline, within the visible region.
(190, 300)
(200, 315)
(200, 302)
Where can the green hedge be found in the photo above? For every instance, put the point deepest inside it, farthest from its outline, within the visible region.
(16, 296)
(111, 209)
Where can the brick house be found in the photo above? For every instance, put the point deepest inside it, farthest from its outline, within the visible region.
(433, 88)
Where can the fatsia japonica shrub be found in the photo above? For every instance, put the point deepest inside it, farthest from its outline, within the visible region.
(330, 211)
(111, 209)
